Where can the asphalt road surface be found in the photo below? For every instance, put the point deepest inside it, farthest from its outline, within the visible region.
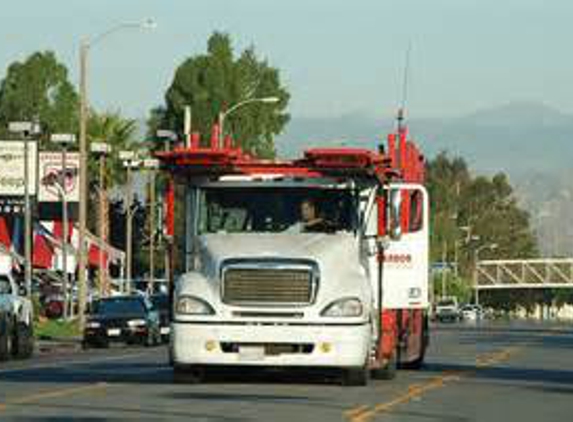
(493, 372)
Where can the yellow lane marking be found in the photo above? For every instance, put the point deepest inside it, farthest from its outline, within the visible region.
(352, 412)
(365, 413)
(53, 394)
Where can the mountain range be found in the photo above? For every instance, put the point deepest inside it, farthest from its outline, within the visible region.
(531, 142)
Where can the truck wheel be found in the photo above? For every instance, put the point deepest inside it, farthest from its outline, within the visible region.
(389, 371)
(188, 374)
(354, 377)
(24, 343)
(5, 338)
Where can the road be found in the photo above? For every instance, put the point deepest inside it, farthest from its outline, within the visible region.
(493, 372)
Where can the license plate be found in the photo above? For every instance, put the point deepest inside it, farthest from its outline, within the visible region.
(165, 330)
(114, 332)
(252, 353)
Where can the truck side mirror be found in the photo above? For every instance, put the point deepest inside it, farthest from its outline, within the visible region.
(394, 214)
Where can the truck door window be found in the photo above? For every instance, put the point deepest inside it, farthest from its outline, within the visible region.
(5, 286)
(416, 211)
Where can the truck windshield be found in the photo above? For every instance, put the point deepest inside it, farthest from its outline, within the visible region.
(271, 209)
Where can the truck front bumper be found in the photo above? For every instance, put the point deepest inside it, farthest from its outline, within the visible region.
(270, 345)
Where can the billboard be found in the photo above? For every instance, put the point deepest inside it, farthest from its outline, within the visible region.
(12, 168)
(53, 182)
(12, 175)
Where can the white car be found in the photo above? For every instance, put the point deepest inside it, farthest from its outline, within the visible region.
(471, 312)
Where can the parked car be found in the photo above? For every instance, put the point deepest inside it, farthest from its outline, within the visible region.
(16, 320)
(447, 309)
(128, 319)
(161, 303)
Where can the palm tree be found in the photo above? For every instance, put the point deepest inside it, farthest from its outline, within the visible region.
(119, 133)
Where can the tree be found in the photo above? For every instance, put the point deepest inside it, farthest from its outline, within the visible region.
(119, 133)
(38, 89)
(469, 211)
(212, 83)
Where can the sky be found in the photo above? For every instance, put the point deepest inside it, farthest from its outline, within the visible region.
(336, 57)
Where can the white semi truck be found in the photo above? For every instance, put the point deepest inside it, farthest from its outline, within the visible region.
(320, 262)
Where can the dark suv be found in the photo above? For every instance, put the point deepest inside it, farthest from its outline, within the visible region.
(128, 319)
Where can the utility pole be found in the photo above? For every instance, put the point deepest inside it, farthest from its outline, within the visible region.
(128, 162)
(82, 264)
(444, 257)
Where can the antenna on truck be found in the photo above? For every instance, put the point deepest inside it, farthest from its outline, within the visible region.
(406, 76)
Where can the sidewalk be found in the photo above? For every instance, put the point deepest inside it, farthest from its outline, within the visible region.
(47, 345)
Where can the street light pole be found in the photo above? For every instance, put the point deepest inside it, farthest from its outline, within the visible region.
(225, 114)
(26, 129)
(64, 139)
(151, 164)
(82, 261)
(128, 159)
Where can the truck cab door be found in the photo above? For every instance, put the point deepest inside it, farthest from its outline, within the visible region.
(405, 269)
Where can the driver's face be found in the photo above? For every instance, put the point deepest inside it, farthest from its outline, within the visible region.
(307, 211)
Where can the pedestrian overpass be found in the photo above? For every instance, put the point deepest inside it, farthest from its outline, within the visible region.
(552, 273)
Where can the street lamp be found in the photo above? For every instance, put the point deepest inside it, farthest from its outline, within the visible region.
(101, 150)
(151, 164)
(490, 246)
(64, 139)
(26, 129)
(85, 45)
(130, 161)
(225, 114)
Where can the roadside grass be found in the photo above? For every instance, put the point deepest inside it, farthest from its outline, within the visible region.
(56, 329)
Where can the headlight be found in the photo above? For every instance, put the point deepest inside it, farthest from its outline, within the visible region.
(93, 324)
(345, 307)
(136, 322)
(189, 305)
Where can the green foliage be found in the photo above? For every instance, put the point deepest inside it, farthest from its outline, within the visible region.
(119, 134)
(38, 89)
(472, 212)
(469, 212)
(452, 286)
(56, 329)
(214, 82)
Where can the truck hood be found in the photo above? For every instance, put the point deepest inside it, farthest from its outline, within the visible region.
(336, 255)
(322, 248)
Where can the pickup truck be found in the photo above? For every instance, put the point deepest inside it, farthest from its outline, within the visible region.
(447, 309)
(16, 321)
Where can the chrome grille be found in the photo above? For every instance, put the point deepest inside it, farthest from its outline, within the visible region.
(268, 286)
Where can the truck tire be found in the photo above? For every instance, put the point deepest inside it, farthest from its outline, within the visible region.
(188, 374)
(24, 342)
(355, 377)
(389, 371)
(6, 338)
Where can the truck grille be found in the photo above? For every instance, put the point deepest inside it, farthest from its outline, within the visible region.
(280, 286)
